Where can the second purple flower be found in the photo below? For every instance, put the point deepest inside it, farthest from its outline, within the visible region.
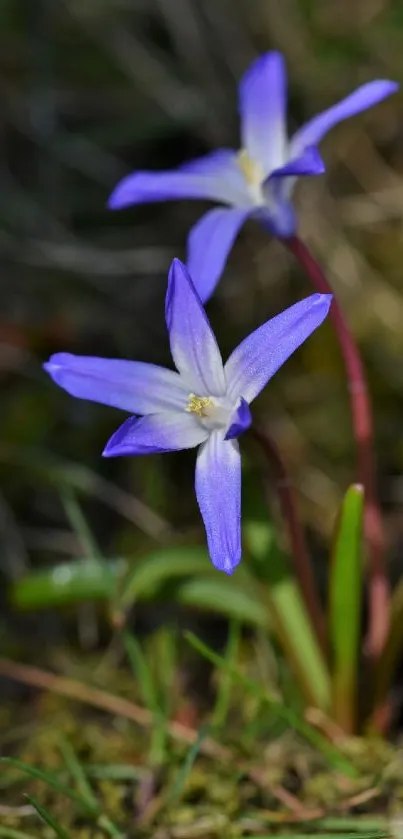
(206, 403)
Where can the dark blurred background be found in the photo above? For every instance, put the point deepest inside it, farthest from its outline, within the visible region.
(92, 89)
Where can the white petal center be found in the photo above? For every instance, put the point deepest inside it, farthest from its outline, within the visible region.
(212, 412)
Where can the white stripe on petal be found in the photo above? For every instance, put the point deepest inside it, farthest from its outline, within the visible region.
(218, 490)
(193, 345)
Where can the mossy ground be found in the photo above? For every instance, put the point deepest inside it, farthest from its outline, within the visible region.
(265, 781)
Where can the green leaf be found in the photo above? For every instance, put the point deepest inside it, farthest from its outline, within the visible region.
(224, 691)
(142, 673)
(154, 570)
(144, 677)
(289, 617)
(187, 765)
(48, 779)
(67, 584)
(77, 772)
(78, 523)
(47, 817)
(345, 591)
(226, 597)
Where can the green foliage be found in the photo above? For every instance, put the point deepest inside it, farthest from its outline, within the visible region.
(284, 603)
(147, 577)
(52, 781)
(149, 692)
(187, 766)
(294, 720)
(229, 598)
(84, 798)
(67, 584)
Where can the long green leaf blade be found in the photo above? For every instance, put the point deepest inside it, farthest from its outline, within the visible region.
(227, 597)
(289, 616)
(345, 607)
(67, 584)
(47, 817)
(48, 779)
(147, 577)
(78, 773)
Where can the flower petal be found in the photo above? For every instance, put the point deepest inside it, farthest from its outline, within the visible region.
(263, 102)
(193, 345)
(309, 162)
(218, 490)
(165, 432)
(209, 243)
(364, 97)
(214, 177)
(130, 385)
(278, 215)
(241, 420)
(261, 354)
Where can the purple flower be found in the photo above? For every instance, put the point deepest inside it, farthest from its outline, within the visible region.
(259, 179)
(205, 403)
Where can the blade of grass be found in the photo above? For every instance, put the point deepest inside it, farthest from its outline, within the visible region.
(187, 766)
(141, 672)
(165, 666)
(48, 779)
(280, 595)
(106, 824)
(86, 796)
(144, 677)
(47, 817)
(334, 757)
(77, 772)
(223, 700)
(345, 608)
(78, 522)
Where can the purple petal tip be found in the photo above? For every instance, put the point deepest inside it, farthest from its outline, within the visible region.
(113, 202)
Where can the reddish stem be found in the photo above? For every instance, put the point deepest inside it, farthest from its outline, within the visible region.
(361, 411)
(299, 552)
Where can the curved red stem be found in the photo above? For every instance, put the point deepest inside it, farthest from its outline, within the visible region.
(361, 411)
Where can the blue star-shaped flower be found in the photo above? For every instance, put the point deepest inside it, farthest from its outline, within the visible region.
(206, 403)
(259, 179)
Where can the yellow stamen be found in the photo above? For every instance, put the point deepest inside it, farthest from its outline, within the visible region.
(250, 169)
(198, 404)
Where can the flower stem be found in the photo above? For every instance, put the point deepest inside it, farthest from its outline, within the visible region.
(361, 411)
(299, 552)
